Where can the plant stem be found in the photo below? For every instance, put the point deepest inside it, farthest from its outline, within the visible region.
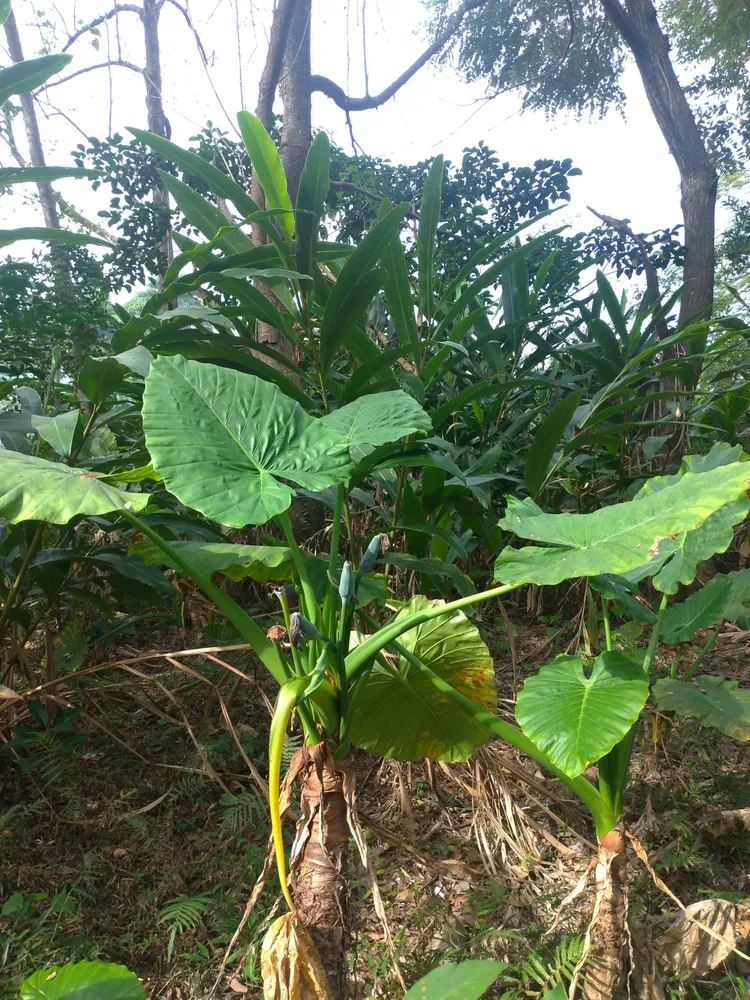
(586, 792)
(309, 606)
(358, 658)
(330, 598)
(618, 759)
(31, 551)
(654, 641)
(269, 653)
(298, 666)
(707, 647)
(353, 556)
(607, 626)
(396, 514)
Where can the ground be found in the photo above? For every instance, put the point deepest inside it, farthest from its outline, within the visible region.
(140, 841)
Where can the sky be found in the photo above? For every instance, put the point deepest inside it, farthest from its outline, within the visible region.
(627, 170)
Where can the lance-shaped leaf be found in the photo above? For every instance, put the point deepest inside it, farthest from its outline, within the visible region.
(701, 610)
(577, 718)
(42, 175)
(32, 489)
(313, 189)
(714, 701)
(238, 562)
(356, 285)
(615, 539)
(83, 981)
(23, 77)
(429, 217)
(402, 715)
(46, 235)
(267, 166)
(223, 441)
(546, 439)
(377, 419)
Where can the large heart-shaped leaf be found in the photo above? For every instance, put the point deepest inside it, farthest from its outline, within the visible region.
(701, 610)
(402, 715)
(577, 718)
(739, 606)
(714, 701)
(32, 489)
(714, 535)
(377, 419)
(84, 981)
(223, 440)
(614, 539)
(465, 981)
(57, 431)
(238, 562)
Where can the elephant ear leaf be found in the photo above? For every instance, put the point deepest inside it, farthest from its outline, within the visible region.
(378, 419)
(403, 716)
(715, 702)
(618, 539)
(465, 981)
(82, 981)
(577, 718)
(237, 562)
(701, 610)
(225, 441)
(33, 489)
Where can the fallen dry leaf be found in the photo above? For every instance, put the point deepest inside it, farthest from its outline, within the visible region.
(119, 852)
(688, 949)
(290, 963)
(236, 986)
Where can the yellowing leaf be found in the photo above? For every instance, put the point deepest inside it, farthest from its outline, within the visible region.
(290, 963)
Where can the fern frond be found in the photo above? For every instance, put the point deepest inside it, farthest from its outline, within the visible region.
(240, 810)
(292, 743)
(182, 913)
(546, 974)
(20, 811)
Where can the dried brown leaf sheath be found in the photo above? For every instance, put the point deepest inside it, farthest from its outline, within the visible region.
(290, 963)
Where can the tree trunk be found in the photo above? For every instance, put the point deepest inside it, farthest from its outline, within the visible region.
(296, 95)
(31, 126)
(609, 930)
(319, 853)
(638, 24)
(157, 120)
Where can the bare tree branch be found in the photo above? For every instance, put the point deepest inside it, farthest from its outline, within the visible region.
(87, 69)
(118, 8)
(323, 85)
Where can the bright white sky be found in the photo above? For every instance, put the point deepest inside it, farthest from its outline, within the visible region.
(627, 170)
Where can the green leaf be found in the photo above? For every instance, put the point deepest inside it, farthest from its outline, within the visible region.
(433, 567)
(577, 719)
(377, 419)
(701, 610)
(739, 606)
(192, 164)
(138, 359)
(548, 435)
(58, 431)
(219, 438)
(465, 981)
(4, 11)
(403, 716)
(32, 489)
(714, 535)
(65, 236)
(132, 568)
(397, 288)
(613, 307)
(99, 379)
(267, 166)
(615, 539)
(354, 287)
(83, 981)
(23, 77)
(237, 562)
(714, 701)
(42, 175)
(206, 217)
(429, 217)
(624, 594)
(311, 201)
